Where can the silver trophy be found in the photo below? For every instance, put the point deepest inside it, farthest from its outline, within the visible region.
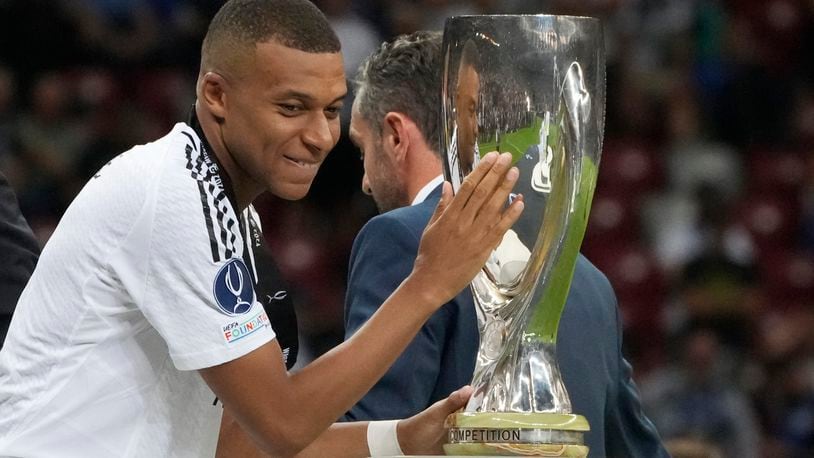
(533, 86)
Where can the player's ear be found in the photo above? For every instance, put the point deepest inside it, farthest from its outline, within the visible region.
(396, 134)
(212, 93)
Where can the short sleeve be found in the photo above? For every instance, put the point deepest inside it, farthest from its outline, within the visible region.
(198, 292)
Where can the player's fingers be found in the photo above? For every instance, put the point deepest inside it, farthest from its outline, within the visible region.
(460, 397)
(509, 217)
(471, 181)
(443, 203)
(491, 209)
(486, 187)
(455, 401)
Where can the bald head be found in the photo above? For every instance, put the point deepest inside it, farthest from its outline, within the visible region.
(240, 24)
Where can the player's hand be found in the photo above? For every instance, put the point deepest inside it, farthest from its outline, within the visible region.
(424, 433)
(465, 229)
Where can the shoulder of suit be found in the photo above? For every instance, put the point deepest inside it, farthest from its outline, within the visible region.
(411, 214)
(589, 277)
(397, 223)
(585, 266)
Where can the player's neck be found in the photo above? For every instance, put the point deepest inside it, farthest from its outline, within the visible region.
(245, 188)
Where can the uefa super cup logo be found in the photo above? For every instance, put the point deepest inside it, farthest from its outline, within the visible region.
(233, 288)
(533, 86)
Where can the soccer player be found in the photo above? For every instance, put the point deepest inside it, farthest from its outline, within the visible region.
(153, 311)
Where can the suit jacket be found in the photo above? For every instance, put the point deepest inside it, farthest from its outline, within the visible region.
(441, 358)
(19, 250)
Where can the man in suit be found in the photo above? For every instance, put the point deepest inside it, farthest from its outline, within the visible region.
(20, 251)
(395, 124)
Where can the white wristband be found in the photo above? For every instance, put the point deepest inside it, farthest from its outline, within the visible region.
(382, 439)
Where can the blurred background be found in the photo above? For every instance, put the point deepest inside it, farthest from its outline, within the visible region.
(703, 218)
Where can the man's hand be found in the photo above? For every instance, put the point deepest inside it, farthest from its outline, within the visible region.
(424, 433)
(465, 229)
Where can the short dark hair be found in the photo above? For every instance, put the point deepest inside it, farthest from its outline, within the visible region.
(240, 24)
(404, 75)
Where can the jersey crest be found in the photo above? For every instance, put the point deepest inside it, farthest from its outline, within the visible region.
(234, 288)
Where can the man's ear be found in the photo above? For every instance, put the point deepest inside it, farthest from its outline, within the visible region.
(213, 94)
(397, 135)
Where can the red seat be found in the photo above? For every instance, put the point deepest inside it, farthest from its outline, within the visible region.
(613, 217)
(95, 87)
(788, 277)
(629, 167)
(771, 221)
(776, 171)
(164, 93)
(632, 270)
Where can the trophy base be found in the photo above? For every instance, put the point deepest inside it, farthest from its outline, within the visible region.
(564, 450)
(516, 434)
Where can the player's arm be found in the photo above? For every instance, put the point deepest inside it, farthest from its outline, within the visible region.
(422, 433)
(383, 256)
(340, 439)
(285, 412)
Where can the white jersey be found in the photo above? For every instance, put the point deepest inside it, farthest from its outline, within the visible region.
(143, 282)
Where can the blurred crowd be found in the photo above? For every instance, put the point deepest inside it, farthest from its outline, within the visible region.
(703, 218)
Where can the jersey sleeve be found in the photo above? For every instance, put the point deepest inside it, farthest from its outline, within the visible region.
(198, 292)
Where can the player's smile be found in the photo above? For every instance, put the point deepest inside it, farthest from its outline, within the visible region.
(305, 164)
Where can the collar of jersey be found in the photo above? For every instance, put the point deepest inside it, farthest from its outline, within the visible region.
(193, 122)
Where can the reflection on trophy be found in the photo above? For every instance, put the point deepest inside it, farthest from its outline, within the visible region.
(533, 86)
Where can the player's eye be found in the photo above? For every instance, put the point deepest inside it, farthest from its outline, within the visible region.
(333, 112)
(291, 109)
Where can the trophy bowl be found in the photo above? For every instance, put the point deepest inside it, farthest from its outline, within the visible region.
(534, 86)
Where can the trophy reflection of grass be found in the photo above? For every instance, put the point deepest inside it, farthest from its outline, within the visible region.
(543, 434)
(548, 311)
(516, 142)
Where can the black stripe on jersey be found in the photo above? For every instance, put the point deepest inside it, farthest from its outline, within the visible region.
(230, 226)
(220, 215)
(248, 244)
(192, 140)
(207, 189)
(213, 244)
(210, 184)
(229, 237)
(196, 168)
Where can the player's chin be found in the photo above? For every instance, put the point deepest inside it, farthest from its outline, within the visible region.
(291, 191)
